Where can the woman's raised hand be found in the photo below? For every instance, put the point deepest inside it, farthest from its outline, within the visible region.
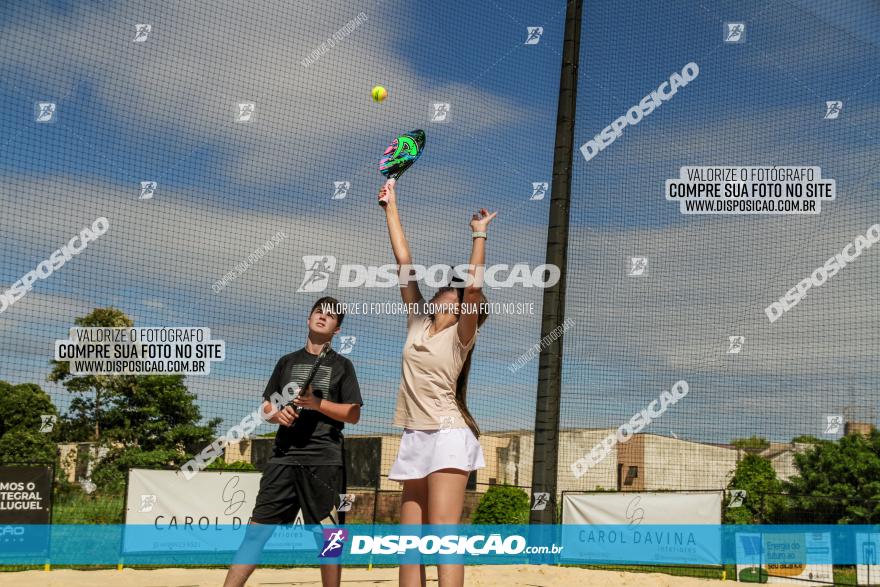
(480, 221)
(387, 194)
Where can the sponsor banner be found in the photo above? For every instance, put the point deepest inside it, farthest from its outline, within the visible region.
(750, 558)
(361, 544)
(787, 558)
(698, 507)
(794, 559)
(217, 501)
(633, 511)
(642, 544)
(868, 559)
(25, 495)
(25, 509)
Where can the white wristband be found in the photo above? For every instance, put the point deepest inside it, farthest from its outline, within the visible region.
(478, 235)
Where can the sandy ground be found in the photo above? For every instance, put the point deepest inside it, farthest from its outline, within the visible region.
(476, 576)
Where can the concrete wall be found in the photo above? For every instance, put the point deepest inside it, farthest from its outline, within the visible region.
(240, 451)
(632, 471)
(388, 454)
(574, 444)
(783, 463)
(68, 451)
(78, 459)
(661, 462)
(681, 464)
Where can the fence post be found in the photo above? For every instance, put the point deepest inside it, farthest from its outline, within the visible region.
(545, 460)
(375, 508)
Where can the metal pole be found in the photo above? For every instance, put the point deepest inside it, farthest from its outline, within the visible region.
(545, 459)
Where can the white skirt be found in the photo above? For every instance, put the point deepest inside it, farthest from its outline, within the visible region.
(424, 451)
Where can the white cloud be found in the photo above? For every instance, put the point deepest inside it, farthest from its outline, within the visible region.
(197, 65)
(712, 279)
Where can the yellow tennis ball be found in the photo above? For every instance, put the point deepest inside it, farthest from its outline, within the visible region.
(379, 93)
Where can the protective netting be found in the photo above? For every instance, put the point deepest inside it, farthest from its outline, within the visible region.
(232, 147)
(658, 296)
(243, 194)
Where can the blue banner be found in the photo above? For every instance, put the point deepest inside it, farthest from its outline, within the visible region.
(361, 544)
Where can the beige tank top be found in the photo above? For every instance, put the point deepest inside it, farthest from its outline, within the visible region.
(429, 370)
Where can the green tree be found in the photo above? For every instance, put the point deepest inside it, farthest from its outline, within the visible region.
(502, 504)
(103, 386)
(233, 466)
(806, 439)
(145, 420)
(78, 424)
(753, 444)
(763, 501)
(838, 482)
(110, 473)
(26, 446)
(20, 438)
(22, 405)
(157, 412)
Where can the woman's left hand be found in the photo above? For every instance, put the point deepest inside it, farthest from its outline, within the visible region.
(308, 400)
(480, 221)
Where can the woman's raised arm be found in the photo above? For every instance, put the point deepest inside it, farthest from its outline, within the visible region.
(467, 321)
(410, 293)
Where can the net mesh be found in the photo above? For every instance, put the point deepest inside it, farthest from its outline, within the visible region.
(230, 149)
(658, 296)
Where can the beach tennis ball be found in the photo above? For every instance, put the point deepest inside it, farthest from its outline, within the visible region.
(379, 93)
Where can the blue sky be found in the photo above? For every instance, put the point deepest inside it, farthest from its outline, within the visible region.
(163, 110)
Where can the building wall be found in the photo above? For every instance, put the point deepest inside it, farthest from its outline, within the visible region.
(631, 471)
(508, 458)
(501, 456)
(661, 462)
(240, 451)
(574, 444)
(784, 464)
(681, 464)
(862, 428)
(68, 451)
(388, 454)
(78, 459)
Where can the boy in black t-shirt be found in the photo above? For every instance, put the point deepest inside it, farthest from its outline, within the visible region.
(306, 471)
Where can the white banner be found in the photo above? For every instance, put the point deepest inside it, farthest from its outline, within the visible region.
(222, 500)
(630, 511)
(703, 507)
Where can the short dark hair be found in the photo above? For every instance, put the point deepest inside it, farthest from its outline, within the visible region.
(336, 308)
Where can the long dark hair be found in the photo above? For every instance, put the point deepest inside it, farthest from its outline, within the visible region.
(461, 383)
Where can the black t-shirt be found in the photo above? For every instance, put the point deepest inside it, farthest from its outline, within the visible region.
(314, 439)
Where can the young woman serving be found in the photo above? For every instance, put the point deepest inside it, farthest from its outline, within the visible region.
(439, 447)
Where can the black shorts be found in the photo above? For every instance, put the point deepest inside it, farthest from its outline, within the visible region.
(285, 489)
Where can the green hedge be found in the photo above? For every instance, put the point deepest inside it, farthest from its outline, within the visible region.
(503, 504)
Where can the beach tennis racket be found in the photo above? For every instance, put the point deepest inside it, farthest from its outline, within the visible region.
(400, 155)
(314, 370)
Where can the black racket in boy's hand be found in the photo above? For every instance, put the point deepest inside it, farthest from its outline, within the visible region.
(312, 372)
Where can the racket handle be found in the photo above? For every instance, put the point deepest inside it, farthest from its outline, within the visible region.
(390, 183)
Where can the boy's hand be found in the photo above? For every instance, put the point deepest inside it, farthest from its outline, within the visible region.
(307, 400)
(286, 416)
